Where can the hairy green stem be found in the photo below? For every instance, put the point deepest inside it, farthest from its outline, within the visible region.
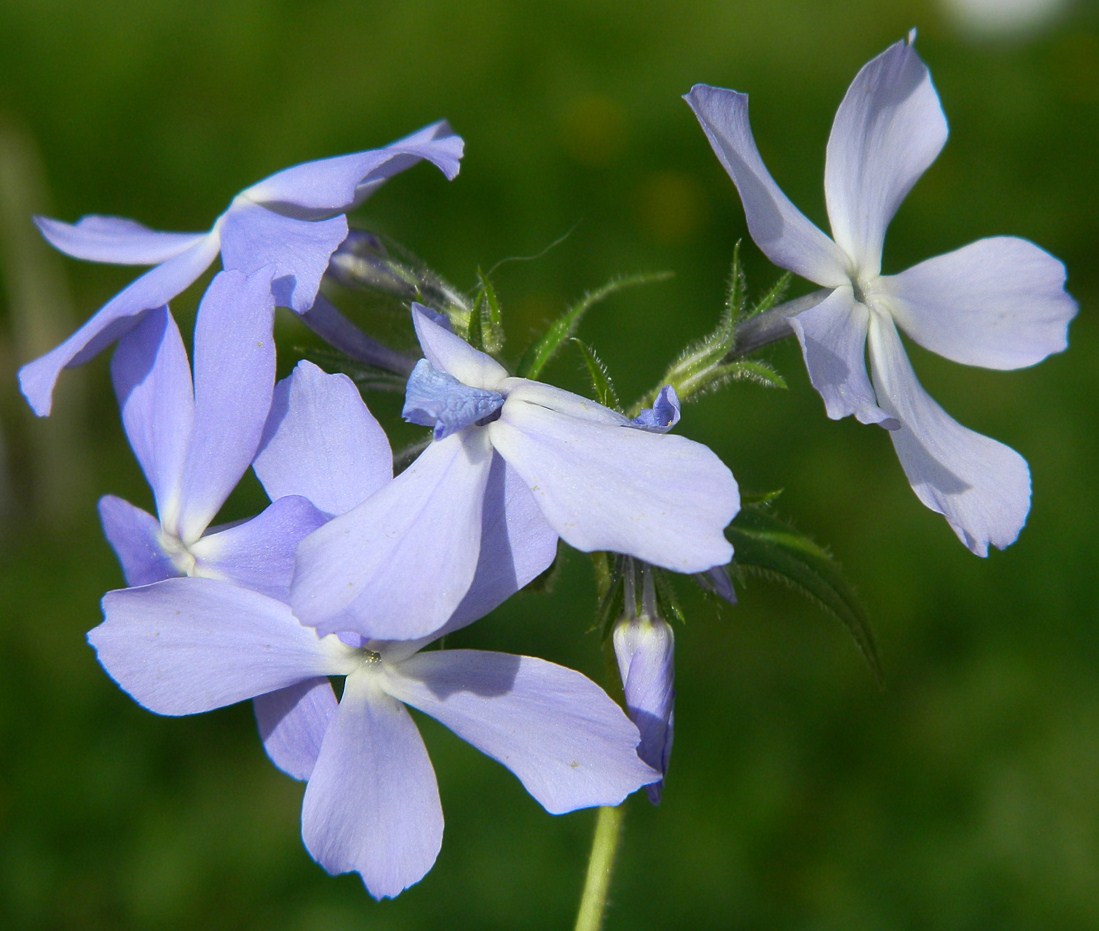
(597, 884)
(771, 325)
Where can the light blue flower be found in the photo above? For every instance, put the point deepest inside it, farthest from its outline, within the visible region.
(292, 221)
(999, 303)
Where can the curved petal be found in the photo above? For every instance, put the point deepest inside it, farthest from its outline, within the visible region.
(372, 802)
(259, 553)
(980, 486)
(322, 442)
(152, 378)
(292, 723)
(999, 303)
(833, 341)
(517, 545)
(661, 498)
(183, 646)
(645, 651)
(234, 381)
(115, 240)
(134, 536)
(335, 185)
(396, 567)
(253, 236)
(780, 230)
(556, 730)
(888, 130)
(118, 316)
(451, 354)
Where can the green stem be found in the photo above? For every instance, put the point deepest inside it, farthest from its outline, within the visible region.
(597, 884)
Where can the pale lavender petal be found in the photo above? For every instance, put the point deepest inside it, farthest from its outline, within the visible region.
(253, 237)
(517, 545)
(184, 646)
(115, 240)
(661, 498)
(372, 802)
(780, 230)
(334, 185)
(999, 303)
(322, 442)
(888, 130)
(292, 723)
(557, 731)
(397, 566)
(234, 381)
(152, 378)
(134, 535)
(981, 486)
(645, 651)
(452, 354)
(119, 315)
(259, 553)
(833, 341)
(438, 400)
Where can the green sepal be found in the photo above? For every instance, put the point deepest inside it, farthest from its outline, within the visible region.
(486, 330)
(601, 381)
(767, 546)
(770, 299)
(548, 345)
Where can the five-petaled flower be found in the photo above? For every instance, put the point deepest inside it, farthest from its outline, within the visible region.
(521, 452)
(293, 221)
(999, 303)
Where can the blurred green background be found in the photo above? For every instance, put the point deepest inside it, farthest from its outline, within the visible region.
(964, 795)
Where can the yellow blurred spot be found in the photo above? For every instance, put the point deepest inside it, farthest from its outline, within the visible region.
(670, 206)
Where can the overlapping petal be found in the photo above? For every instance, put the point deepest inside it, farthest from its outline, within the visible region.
(372, 803)
(234, 380)
(557, 731)
(833, 342)
(292, 723)
(661, 498)
(887, 131)
(322, 442)
(135, 536)
(782, 231)
(452, 354)
(152, 378)
(981, 486)
(397, 566)
(184, 646)
(118, 316)
(999, 303)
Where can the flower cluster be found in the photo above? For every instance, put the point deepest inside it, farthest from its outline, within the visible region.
(355, 573)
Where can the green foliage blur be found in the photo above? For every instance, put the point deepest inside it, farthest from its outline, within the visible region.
(963, 795)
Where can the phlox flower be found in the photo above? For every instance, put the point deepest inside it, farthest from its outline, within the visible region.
(195, 437)
(515, 451)
(999, 303)
(294, 220)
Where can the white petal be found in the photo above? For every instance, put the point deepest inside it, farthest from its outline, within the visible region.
(661, 498)
(780, 230)
(980, 486)
(888, 130)
(452, 354)
(999, 303)
(833, 341)
(372, 802)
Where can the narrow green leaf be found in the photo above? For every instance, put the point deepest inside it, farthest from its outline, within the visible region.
(767, 546)
(773, 296)
(547, 346)
(600, 378)
(487, 307)
(736, 295)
